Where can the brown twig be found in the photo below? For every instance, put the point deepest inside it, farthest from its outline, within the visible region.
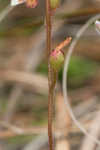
(50, 95)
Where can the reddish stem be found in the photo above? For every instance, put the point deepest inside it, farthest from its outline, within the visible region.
(51, 90)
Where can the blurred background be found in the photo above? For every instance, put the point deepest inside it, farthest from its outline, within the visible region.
(23, 77)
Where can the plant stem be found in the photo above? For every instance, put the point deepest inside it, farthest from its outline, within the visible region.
(51, 90)
(50, 116)
(48, 26)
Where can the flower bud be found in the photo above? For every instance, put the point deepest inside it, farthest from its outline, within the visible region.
(31, 3)
(56, 59)
(54, 4)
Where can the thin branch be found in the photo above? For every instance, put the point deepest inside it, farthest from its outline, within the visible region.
(51, 90)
